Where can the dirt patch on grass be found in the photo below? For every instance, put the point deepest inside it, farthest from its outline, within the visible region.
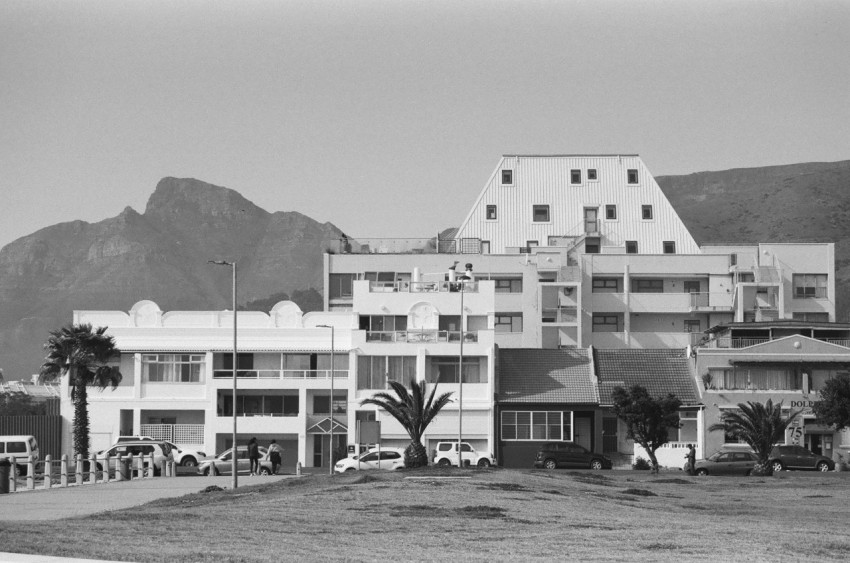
(675, 481)
(639, 492)
(481, 512)
(512, 487)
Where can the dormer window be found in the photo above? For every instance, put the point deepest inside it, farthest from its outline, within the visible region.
(507, 177)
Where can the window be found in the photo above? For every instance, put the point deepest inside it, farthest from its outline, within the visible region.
(611, 212)
(507, 177)
(647, 286)
(537, 425)
(443, 369)
(669, 247)
(646, 212)
(174, 368)
(340, 285)
(508, 285)
(531, 244)
(606, 285)
(373, 372)
(811, 317)
(810, 286)
(491, 212)
(631, 247)
(606, 323)
(575, 176)
(382, 327)
(508, 322)
(591, 245)
(541, 213)
(591, 174)
(692, 325)
(632, 176)
(322, 404)
(757, 378)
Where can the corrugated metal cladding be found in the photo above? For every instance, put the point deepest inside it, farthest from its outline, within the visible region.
(546, 180)
(46, 429)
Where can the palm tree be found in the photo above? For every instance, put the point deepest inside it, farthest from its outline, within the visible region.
(760, 426)
(413, 412)
(82, 353)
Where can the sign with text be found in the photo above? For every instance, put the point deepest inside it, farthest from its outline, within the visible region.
(368, 432)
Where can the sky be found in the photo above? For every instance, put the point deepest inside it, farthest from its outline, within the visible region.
(386, 118)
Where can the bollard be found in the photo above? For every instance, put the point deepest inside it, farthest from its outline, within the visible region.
(93, 469)
(164, 469)
(48, 471)
(120, 468)
(298, 469)
(63, 471)
(79, 470)
(5, 471)
(152, 468)
(13, 484)
(107, 467)
(30, 473)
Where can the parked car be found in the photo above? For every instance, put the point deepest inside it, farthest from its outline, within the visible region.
(222, 464)
(161, 452)
(798, 457)
(552, 455)
(446, 454)
(725, 463)
(182, 456)
(385, 458)
(19, 449)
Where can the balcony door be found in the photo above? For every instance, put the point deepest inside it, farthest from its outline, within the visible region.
(591, 216)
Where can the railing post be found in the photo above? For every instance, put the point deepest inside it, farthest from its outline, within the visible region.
(79, 474)
(298, 469)
(106, 468)
(151, 467)
(48, 471)
(93, 469)
(30, 473)
(13, 477)
(119, 468)
(63, 471)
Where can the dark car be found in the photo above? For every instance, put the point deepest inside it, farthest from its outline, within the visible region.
(552, 455)
(798, 457)
(725, 463)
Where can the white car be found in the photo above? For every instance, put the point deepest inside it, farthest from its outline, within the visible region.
(182, 456)
(446, 455)
(385, 458)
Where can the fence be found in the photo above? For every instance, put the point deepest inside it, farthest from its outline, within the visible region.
(47, 430)
(86, 472)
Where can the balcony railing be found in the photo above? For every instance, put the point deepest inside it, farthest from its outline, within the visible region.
(422, 287)
(420, 336)
(730, 342)
(560, 315)
(281, 374)
(705, 301)
(405, 246)
(180, 434)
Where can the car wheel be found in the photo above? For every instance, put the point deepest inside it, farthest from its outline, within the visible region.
(484, 463)
(778, 466)
(265, 471)
(823, 466)
(351, 469)
(189, 462)
(550, 464)
(702, 472)
(444, 463)
(596, 464)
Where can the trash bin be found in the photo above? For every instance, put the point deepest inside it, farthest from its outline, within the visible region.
(124, 468)
(5, 468)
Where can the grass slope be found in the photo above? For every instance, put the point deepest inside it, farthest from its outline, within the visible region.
(490, 515)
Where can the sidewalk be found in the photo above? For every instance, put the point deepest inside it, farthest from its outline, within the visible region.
(82, 500)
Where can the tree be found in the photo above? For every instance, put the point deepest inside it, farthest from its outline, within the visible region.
(15, 403)
(760, 426)
(83, 354)
(413, 412)
(648, 419)
(833, 408)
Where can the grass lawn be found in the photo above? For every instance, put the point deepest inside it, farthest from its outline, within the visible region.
(494, 514)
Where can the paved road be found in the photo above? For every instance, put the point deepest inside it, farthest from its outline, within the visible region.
(82, 500)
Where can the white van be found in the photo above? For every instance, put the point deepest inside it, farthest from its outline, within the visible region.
(18, 449)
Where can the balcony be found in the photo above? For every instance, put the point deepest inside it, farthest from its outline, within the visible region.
(560, 315)
(711, 302)
(309, 374)
(405, 246)
(423, 287)
(417, 336)
(735, 342)
(180, 434)
(660, 302)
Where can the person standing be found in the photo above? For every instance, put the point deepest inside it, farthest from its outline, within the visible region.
(254, 456)
(275, 453)
(692, 459)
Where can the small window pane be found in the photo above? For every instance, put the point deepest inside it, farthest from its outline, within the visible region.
(541, 213)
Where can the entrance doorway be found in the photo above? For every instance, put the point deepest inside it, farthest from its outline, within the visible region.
(582, 434)
(321, 449)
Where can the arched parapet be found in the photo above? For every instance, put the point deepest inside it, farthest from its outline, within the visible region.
(423, 315)
(146, 313)
(286, 314)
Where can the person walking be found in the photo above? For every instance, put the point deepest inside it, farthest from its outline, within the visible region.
(275, 453)
(691, 456)
(254, 456)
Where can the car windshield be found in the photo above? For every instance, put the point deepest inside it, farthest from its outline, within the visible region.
(715, 456)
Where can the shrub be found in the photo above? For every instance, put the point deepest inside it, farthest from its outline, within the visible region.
(641, 464)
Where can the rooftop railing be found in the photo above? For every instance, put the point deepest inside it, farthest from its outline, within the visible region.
(420, 336)
(423, 287)
(280, 374)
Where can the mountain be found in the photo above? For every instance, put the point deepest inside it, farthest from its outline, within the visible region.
(161, 255)
(793, 203)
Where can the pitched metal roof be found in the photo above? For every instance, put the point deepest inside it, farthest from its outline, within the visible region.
(659, 371)
(546, 376)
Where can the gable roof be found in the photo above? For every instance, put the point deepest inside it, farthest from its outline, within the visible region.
(546, 376)
(659, 371)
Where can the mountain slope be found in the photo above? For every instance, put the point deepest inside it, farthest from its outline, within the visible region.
(160, 255)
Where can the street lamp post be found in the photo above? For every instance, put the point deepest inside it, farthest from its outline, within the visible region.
(461, 285)
(234, 483)
(333, 357)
